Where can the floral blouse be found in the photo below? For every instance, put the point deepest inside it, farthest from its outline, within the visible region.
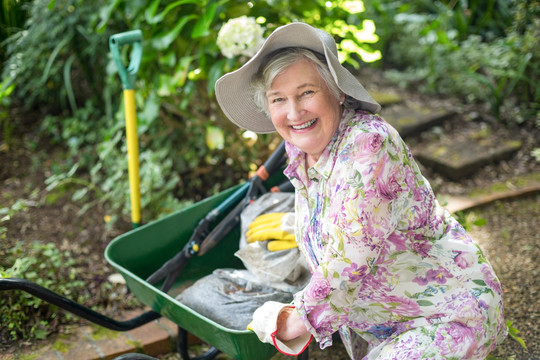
(385, 257)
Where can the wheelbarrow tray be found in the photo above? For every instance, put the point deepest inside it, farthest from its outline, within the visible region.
(138, 253)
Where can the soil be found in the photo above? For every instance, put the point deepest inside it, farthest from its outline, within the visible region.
(510, 238)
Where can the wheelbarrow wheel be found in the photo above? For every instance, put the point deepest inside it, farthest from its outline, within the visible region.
(182, 348)
(134, 356)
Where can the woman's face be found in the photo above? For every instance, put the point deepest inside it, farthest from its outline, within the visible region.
(303, 110)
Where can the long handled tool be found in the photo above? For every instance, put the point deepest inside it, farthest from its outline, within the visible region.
(127, 76)
(204, 238)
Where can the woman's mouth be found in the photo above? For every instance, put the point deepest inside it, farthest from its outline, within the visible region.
(304, 125)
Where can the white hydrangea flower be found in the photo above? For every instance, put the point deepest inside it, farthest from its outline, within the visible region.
(240, 36)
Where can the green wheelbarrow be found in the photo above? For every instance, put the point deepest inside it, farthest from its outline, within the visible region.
(205, 237)
(131, 255)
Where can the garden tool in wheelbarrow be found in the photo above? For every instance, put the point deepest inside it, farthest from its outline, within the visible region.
(127, 76)
(204, 237)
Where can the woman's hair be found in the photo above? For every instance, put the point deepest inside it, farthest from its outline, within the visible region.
(278, 61)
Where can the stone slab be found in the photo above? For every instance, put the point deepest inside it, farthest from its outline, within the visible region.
(463, 157)
(92, 342)
(386, 99)
(412, 119)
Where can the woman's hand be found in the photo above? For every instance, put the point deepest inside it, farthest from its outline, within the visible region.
(289, 325)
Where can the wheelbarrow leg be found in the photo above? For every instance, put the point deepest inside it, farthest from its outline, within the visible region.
(134, 356)
(182, 348)
(304, 355)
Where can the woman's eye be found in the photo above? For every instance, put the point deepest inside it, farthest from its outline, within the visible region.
(308, 92)
(277, 100)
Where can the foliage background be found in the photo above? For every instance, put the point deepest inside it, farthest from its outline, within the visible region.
(58, 63)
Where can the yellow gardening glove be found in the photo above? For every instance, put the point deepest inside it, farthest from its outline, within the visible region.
(277, 227)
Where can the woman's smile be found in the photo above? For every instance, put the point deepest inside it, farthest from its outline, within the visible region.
(305, 125)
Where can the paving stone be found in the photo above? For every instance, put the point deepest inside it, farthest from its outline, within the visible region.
(93, 342)
(74, 347)
(463, 157)
(413, 118)
(152, 338)
(107, 343)
(386, 99)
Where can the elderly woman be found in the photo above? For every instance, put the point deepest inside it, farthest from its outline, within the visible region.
(388, 263)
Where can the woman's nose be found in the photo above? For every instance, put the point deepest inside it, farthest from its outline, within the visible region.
(294, 112)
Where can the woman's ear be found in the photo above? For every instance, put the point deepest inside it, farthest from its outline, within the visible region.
(342, 99)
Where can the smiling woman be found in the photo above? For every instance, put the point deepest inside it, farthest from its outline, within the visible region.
(389, 264)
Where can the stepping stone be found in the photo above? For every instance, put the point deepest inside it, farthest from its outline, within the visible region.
(459, 158)
(386, 98)
(414, 118)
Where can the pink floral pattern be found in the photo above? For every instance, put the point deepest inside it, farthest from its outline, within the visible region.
(387, 260)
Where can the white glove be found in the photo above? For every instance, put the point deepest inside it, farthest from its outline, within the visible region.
(264, 324)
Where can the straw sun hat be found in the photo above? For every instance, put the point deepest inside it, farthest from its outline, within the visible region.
(234, 92)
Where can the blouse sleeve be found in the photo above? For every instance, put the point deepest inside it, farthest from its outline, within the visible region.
(368, 200)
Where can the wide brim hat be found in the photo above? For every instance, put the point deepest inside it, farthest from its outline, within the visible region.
(234, 92)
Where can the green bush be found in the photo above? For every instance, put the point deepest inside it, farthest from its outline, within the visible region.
(25, 316)
(13, 14)
(55, 59)
(484, 54)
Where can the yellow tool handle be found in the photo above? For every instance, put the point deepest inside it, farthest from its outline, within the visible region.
(133, 156)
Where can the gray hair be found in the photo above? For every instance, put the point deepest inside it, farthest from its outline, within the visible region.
(279, 61)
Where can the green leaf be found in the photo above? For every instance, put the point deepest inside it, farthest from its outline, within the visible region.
(202, 27)
(67, 83)
(480, 222)
(513, 333)
(165, 41)
(151, 18)
(150, 13)
(105, 14)
(79, 194)
(479, 282)
(41, 334)
(214, 138)
(215, 72)
(53, 56)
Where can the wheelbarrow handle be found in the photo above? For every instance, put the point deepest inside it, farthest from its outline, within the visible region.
(134, 38)
(76, 308)
(204, 239)
(273, 163)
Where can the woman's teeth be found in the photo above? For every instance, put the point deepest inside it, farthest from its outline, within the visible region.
(304, 125)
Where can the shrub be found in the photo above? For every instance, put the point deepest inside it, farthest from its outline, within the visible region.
(485, 55)
(55, 59)
(28, 317)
